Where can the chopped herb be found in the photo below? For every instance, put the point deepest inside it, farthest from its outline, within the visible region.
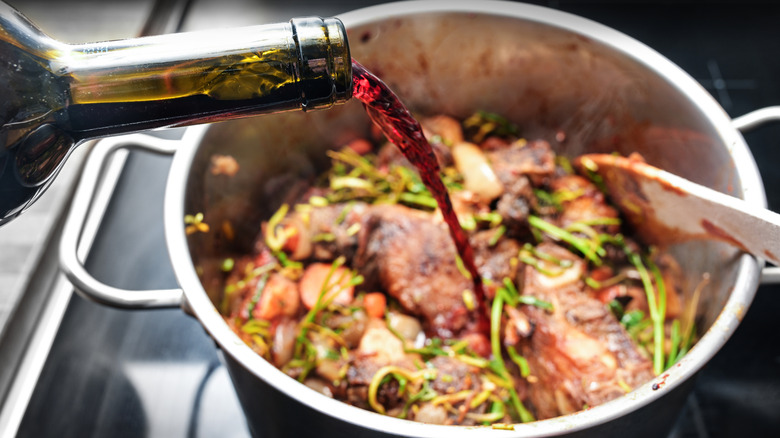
(624, 386)
(497, 235)
(480, 398)
(616, 308)
(419, 200)
(606, 283)
(656, 315)
(286, 262)
(547, 199)
(275, 239)
(510, 294)
(497, 363)
(493, 218)
(469, 300)
(632, 318)
(497, 411)
(483, 124)
(256, 327)
(565, 164)
(675, 341)
(585, 246)
(467, 222)
(324, 237)
(462, 268)
(318, 201)
(344, 212)
(591, 171)
(519, 360)
(228, 264)
(347, 182)
(195, 224)
(399, 374)
(503, 426)
(533, 301)
(473, 361)
(353, 229)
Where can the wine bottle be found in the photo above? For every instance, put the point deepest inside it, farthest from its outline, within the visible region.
(56, 96)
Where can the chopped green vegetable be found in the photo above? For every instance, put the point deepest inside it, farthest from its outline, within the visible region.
(675, 341)
(483, 124)
(228, 264)
(497, 235)
(587, 247)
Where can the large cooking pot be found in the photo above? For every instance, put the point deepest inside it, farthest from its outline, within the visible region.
(547, 71)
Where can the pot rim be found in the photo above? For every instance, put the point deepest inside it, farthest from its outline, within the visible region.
(743, 290)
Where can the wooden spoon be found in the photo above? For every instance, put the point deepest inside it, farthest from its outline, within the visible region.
(665, 208)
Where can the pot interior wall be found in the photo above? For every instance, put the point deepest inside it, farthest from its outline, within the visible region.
(543, 78)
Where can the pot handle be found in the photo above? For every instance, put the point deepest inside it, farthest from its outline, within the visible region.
(73, 268)
(770, 274)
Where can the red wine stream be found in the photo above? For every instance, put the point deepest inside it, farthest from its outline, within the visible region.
(391, 116)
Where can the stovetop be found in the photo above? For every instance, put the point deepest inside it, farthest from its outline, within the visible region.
(157, 373)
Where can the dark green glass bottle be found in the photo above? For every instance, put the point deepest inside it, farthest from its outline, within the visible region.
(55, 95)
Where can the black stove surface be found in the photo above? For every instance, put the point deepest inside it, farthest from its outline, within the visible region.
(157, 374)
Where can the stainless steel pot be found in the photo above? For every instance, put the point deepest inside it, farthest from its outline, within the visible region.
(549, 72)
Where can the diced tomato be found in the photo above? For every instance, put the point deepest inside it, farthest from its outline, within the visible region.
(360, 146)
(313, 282)
(375, 303)
(279, 297)
(601, 273)
(293, 237)
(478, 343)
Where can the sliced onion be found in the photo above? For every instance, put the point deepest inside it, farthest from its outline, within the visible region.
(319, 385)
(431, 414)
(284, 342)
(329, 369)
(446, 127)
(478, 175)
(301, 242)
(405, 325)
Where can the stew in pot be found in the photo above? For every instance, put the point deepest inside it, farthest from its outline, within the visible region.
(356, 290)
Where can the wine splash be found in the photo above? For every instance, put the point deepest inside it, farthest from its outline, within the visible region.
(404, 131)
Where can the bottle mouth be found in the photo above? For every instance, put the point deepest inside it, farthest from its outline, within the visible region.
(324, 61)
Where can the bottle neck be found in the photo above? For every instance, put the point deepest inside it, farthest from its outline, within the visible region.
(197, 77)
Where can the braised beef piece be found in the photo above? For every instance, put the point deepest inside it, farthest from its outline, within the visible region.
(534, 159)
(453, 376)
(514, 206)
(378, 348)
(359, 376)
(328, 229)
(579, 354)
(411, 257)
(520, 166)
(494, 262)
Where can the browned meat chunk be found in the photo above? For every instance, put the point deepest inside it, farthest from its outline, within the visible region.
(579, 354)
(519, 167)
(453, 375)
(516, 204)
(583, 202)
(413, 258)
(494, 262)
(324, 233)
(378, 348)
(533, 159)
